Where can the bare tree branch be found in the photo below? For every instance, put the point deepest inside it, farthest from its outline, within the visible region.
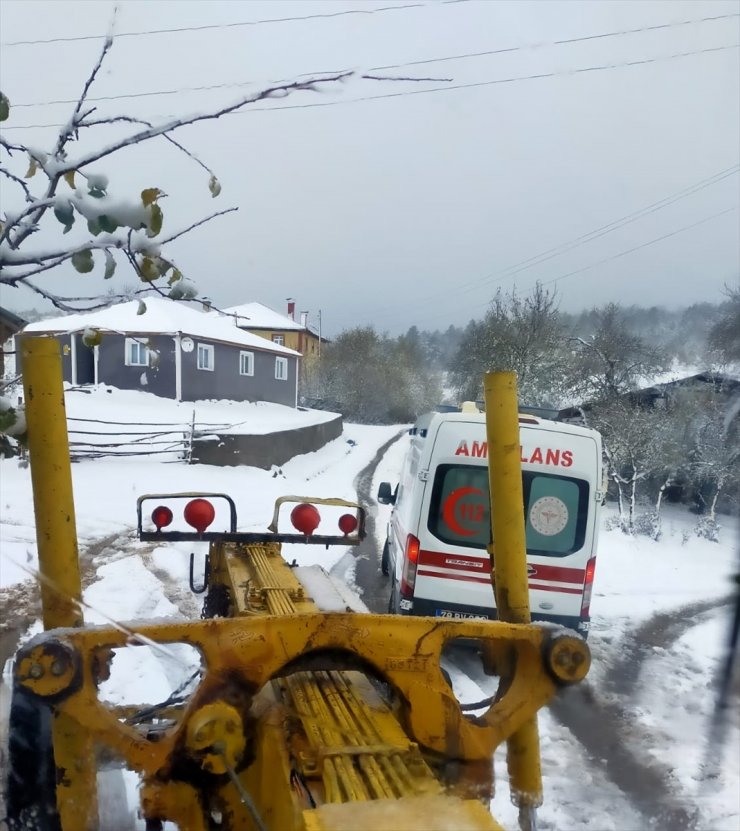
(71, 126)
(18, 181)
(64, 135)
(276, 91)
(17, 266)
(15, 219)
(61, 303)
(45, 263)
(403, 78)
(130, 120)
(197, 224)
(10, 147)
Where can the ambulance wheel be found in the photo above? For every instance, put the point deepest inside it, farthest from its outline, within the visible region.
(31, 786)
(385, 566)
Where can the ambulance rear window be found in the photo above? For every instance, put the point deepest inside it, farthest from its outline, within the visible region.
(555, 508)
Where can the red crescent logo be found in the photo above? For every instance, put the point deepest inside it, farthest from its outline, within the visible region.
(448, 510)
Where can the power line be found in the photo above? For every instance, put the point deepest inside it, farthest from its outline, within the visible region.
(609, 259)
(406, 64)
(238, 24)
(638, 247)
(583, 239)
(449, 88)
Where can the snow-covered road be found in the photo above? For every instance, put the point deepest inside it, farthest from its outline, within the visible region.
(658, 623)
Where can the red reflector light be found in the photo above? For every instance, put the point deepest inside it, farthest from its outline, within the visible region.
(587, 588)
(412, 549)
(305, 518)
(199, 513)
(347, 524)
(161, 517)
(410, 559)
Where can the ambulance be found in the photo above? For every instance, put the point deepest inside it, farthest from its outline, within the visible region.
(435, 551)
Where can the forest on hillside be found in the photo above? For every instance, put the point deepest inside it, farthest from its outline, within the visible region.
(684, 445)
(560, 358)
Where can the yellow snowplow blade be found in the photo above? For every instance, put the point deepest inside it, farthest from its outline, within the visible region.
(436, 813)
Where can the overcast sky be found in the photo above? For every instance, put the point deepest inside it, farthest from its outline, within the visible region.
(412, 209)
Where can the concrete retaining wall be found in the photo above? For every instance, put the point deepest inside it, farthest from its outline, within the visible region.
(265, 450)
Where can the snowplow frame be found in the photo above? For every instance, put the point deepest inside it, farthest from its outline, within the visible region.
(244, 656)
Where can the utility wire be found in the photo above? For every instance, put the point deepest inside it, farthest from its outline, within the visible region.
(449, 88)
(446, 313)
(425, 61)
(583, 239)
(317, 16)
(638, 247)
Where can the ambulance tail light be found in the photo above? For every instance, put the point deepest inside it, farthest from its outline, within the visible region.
(410, 561)
(587, 586)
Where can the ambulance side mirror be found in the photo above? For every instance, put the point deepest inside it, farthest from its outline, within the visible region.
(385, 494)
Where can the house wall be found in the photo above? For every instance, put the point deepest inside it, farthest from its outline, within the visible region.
(64, 345)
(302, 341)
(159, 375)
(224, 381)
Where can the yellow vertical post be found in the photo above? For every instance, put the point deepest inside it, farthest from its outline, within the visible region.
(51, 478)
(509, 572)
(59, 566)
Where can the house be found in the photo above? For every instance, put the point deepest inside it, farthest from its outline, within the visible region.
(724, 387)
(278, 328)
(10, 324)
(174, 350)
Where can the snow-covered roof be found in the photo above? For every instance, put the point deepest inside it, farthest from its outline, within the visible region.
(162, 317)
(259, 316)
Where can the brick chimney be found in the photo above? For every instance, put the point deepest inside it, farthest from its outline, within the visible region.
(291, 308)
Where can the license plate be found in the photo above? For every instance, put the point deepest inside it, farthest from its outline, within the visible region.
(459, 615)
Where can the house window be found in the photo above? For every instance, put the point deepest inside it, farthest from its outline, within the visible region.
(246, 363)
(137, 353)
(279, 340)
(205, 356)
(281, 369)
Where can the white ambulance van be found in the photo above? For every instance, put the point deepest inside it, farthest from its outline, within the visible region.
(440, 525)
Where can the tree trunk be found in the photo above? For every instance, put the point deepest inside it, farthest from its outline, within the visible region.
(712, 507)
(661, 492)
(620, 497)
(633, 491)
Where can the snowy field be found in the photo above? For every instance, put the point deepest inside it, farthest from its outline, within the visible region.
(668, 703)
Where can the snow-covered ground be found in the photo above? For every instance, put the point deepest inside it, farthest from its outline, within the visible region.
(636, 578)
(106, 403)
(673, 694)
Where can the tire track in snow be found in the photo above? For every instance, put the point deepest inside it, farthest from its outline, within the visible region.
(598, 720)
(374, 587)
(611, 735)
(20, 604)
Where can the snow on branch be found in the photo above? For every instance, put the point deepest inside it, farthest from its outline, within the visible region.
(275, 91)
(129, 226)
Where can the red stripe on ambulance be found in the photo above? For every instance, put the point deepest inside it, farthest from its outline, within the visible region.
(462, 562)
